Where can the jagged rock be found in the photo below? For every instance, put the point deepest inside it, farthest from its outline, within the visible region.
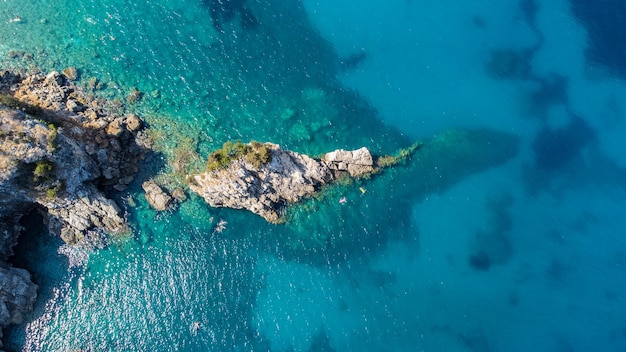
(179, 195)
(17, 295)
(287, 178)
(133, 122)
(81, 207)
(80, 216)
(58, 167)
(71, 73)
(72, 106)
(115, 128)
(357, 163)
(156, 196)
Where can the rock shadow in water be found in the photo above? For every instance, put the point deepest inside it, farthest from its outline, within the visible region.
(224, 11)
(492, 246)
(570, 157)
(605, 21)
(352, 61)
(554, 148)
(380, 209)
(48, 271)
(321, 343)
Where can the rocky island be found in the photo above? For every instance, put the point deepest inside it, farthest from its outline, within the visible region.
(264, 179)
(61, 151)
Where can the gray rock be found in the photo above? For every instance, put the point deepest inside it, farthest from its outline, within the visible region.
(71, 105)
(17, 295)
(287, 178)
(357, 162)
(156, 196)
(77, 153)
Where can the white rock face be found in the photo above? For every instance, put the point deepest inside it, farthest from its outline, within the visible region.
(357, 162)
(287, 178)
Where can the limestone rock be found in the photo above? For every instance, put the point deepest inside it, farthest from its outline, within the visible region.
(17, 295)
(115, 128)
(357, 163)
(133, 122)
(71, 73)
(287, 178)
(156, 196)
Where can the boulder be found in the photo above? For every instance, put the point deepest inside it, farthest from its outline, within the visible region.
(115, 128)
(156, 196)
(357, 162)
(133, 122)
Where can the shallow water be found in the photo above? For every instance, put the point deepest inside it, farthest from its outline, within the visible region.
(507, 236)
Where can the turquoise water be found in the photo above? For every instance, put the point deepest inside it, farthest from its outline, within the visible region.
(505, 237)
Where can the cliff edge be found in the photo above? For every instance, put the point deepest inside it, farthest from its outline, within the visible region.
(61, 151)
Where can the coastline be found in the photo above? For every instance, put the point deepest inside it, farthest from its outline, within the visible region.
(63, 153)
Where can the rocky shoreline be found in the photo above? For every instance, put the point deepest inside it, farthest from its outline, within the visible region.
(61, 151)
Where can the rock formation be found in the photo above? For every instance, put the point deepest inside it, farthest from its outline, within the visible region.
(156, 196)
(61, 149)
(17, 295)
(286, 178)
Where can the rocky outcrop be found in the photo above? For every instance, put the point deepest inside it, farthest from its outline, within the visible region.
(286, 178)
(60, 148)
(17, 295)
(61, 151)
(61, 179)
(357, 163)
(116, 143)
(156, 196)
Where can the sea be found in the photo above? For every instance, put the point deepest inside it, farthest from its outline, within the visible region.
(506, 231)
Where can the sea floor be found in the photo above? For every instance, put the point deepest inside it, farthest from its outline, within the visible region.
(507, 235)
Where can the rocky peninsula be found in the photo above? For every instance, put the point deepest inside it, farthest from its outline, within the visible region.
(263, 178)
(61, 151)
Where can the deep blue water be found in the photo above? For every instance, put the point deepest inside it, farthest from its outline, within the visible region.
(505, 236)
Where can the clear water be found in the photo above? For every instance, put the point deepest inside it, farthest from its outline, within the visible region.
(510, 239)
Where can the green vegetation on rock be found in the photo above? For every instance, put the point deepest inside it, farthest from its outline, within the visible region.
(52, 136)
(253, 153)
(43, 170)
(11, 102)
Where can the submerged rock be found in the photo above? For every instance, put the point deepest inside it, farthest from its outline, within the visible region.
(286, 178)
(70, 73)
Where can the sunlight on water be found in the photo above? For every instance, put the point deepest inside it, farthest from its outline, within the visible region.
(490, 238)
